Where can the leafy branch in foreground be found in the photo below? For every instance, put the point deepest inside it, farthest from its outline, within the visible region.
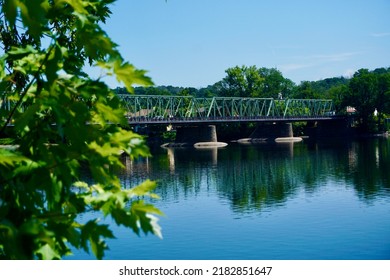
(64, 122)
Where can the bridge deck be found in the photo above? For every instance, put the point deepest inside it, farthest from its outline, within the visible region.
(177, 121)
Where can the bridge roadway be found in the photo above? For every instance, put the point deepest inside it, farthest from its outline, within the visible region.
(151, 109)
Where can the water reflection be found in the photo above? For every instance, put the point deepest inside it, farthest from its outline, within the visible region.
(255, 177)
(370, 171)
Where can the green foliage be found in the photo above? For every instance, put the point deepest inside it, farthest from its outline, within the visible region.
(320, 89)
(254, 82)
(306, 91)
(369, 92)
(275, 85)
(241, 82)
(64, 122)
(337, 93)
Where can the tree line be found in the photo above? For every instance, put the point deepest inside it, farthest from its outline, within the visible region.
(366, 92)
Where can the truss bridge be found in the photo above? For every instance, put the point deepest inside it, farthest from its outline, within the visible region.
(149, 109)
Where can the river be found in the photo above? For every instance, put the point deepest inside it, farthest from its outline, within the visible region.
(267, 201)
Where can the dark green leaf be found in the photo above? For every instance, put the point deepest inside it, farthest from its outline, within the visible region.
(10, 11)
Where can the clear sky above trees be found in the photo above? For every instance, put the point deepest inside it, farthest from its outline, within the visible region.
(191, 43)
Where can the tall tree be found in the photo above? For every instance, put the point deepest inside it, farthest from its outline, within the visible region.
(305, 90)
(363, 95)
(337, 94)
(274, 84)
(241, 82)
(63, 120)
(383, 97)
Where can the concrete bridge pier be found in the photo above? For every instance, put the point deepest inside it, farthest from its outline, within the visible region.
(331, 129)
(198, 136)
(278, 132)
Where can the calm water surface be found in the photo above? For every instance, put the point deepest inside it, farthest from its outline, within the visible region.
(281, 201)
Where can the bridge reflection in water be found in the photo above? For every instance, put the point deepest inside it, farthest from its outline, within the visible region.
(265, 201)
(253, 177)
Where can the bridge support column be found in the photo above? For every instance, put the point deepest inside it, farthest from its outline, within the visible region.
(199, 136)
(272, 132)
(335, 129)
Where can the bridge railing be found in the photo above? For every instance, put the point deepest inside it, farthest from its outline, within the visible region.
(156, 107)
(226, 107)
(302, 107)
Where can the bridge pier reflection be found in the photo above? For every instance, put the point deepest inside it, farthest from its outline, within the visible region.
(270, 132)
(209, 154)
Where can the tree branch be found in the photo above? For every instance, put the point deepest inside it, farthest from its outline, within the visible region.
(24, 93)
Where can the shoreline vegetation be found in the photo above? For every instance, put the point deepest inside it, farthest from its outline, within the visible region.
(365, 95)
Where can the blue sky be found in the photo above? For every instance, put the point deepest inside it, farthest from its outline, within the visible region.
(191, 43)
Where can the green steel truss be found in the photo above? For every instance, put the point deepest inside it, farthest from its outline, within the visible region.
(150, 108)
(168, 109)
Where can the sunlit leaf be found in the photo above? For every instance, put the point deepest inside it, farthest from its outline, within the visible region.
(143, 213)
(46, 252)
(153, 220)
(140, 206)
(17, 53)
(9, 157)
(128, 75)
(144, 188)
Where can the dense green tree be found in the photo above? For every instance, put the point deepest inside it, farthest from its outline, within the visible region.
(189, 91)
(306, 91)
(369, 93)
(362, 95)
(207, 92)
(63, 121)
(322, 89)
(152, 90)
(337, 94)
(382, 70)
(274, 84)
(253, 82)
(383, 98)
(241, 82)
